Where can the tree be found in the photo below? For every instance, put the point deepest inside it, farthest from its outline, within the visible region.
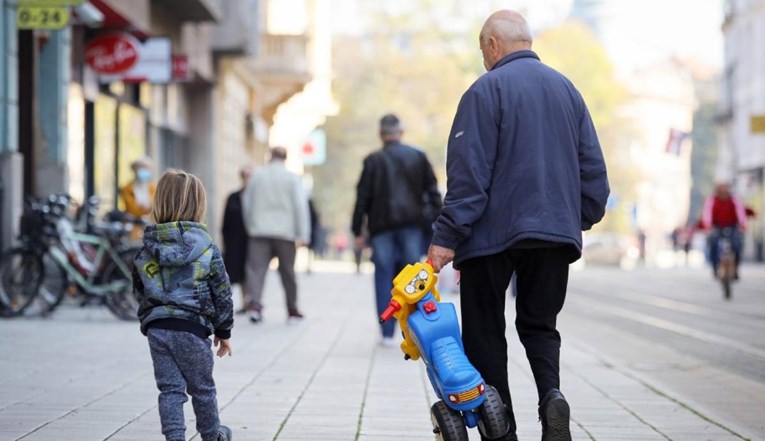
(574, 50)
(420, 72)
(416, 76)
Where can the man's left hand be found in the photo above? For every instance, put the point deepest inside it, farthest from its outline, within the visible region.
(439, 256)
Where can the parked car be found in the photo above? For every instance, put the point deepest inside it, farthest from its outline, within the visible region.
(611, 249)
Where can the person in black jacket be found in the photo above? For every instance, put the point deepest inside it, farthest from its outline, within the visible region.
(525, 176)
(235, 238)
(396, 191)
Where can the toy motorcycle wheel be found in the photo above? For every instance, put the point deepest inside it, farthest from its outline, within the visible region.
(447, 423)
(494, 423)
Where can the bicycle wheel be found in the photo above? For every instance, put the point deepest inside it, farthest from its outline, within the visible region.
(21, 273)
(52, 289)
(122, 303)
(727, 269)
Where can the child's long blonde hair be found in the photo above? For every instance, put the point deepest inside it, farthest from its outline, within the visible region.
(180, 196)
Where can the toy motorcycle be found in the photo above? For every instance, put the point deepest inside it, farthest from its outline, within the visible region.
(431, 331)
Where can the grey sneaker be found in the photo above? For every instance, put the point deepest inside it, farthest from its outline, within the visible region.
(224, 433)
(554, 414)
(294, 317)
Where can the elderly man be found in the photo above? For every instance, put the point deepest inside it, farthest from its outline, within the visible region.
(525, 176)
(275, 209)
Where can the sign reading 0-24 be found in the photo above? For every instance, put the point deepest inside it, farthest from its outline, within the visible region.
(44, 14)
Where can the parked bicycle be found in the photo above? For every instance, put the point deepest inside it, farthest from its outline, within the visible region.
(53, 258)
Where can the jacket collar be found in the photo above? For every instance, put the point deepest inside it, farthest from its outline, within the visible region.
(514, 56)
(387, 144)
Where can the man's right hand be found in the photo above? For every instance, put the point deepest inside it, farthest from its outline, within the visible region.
(439, 256)
(359, 242)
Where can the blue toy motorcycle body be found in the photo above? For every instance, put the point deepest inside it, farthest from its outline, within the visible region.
(431, 331)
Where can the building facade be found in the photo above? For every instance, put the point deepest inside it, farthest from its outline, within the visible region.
(741, 117)
(68, 127)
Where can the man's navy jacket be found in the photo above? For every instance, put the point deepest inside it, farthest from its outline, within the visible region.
(523, 163)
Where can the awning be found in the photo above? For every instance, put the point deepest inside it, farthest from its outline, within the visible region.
(114, 19)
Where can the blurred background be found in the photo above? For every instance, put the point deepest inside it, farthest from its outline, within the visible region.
(676, 90)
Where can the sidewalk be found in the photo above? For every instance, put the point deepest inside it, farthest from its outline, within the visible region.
(84, 376)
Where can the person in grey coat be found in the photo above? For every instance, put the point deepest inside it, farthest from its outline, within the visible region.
(525, 176)
(276, 216)
(184, 297)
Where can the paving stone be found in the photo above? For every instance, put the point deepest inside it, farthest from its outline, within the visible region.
(90, 378)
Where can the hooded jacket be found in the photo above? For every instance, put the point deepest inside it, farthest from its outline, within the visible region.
(181, 283)
(523, 163)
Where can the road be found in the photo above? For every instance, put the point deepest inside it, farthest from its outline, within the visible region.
(648, 354)
(673, 329)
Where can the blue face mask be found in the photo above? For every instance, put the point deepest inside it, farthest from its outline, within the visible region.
(143, 175)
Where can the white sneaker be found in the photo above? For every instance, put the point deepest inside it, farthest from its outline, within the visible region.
(255, 316)
(388, 342)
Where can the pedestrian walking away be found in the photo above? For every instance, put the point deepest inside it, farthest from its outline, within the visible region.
(525, 176)
(184, 295)
(318, 235)
(235, 238)
(276, 216)
(396, 191)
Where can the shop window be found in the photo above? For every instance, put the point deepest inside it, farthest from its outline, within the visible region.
(132, 141)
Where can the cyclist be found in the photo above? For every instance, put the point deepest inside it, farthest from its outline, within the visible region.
(721, 211)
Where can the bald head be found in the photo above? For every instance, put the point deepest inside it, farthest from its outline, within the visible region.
(503, 33)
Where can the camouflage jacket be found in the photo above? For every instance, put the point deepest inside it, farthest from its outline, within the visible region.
(179, 277)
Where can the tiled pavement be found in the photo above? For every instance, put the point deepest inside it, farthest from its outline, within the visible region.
(82, 375)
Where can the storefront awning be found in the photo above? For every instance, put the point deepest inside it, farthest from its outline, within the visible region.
(114, 19)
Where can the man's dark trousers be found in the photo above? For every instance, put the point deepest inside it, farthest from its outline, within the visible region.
(542, 277)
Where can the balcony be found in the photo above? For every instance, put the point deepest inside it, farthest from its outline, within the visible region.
(195, 10)
(282, 55)
(282, 68)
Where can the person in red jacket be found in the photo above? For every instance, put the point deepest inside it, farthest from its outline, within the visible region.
(724, 211)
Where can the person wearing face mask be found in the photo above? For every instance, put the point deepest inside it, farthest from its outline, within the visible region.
(139, 193)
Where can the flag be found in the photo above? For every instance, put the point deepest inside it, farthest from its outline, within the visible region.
(675, 141)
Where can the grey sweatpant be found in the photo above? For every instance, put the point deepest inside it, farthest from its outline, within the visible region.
(183, 363)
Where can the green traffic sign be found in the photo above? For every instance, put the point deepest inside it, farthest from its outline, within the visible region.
(43, 17)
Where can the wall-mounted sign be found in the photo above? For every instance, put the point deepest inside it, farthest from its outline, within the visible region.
(181, 69)
(314, 149)
(121, 57)
(42, 17)
(113, 54)
(757, 123)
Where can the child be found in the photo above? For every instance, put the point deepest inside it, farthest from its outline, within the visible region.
(184, 296)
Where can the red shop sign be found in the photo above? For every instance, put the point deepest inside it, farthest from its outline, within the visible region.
(113, 53)
(181, 71)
